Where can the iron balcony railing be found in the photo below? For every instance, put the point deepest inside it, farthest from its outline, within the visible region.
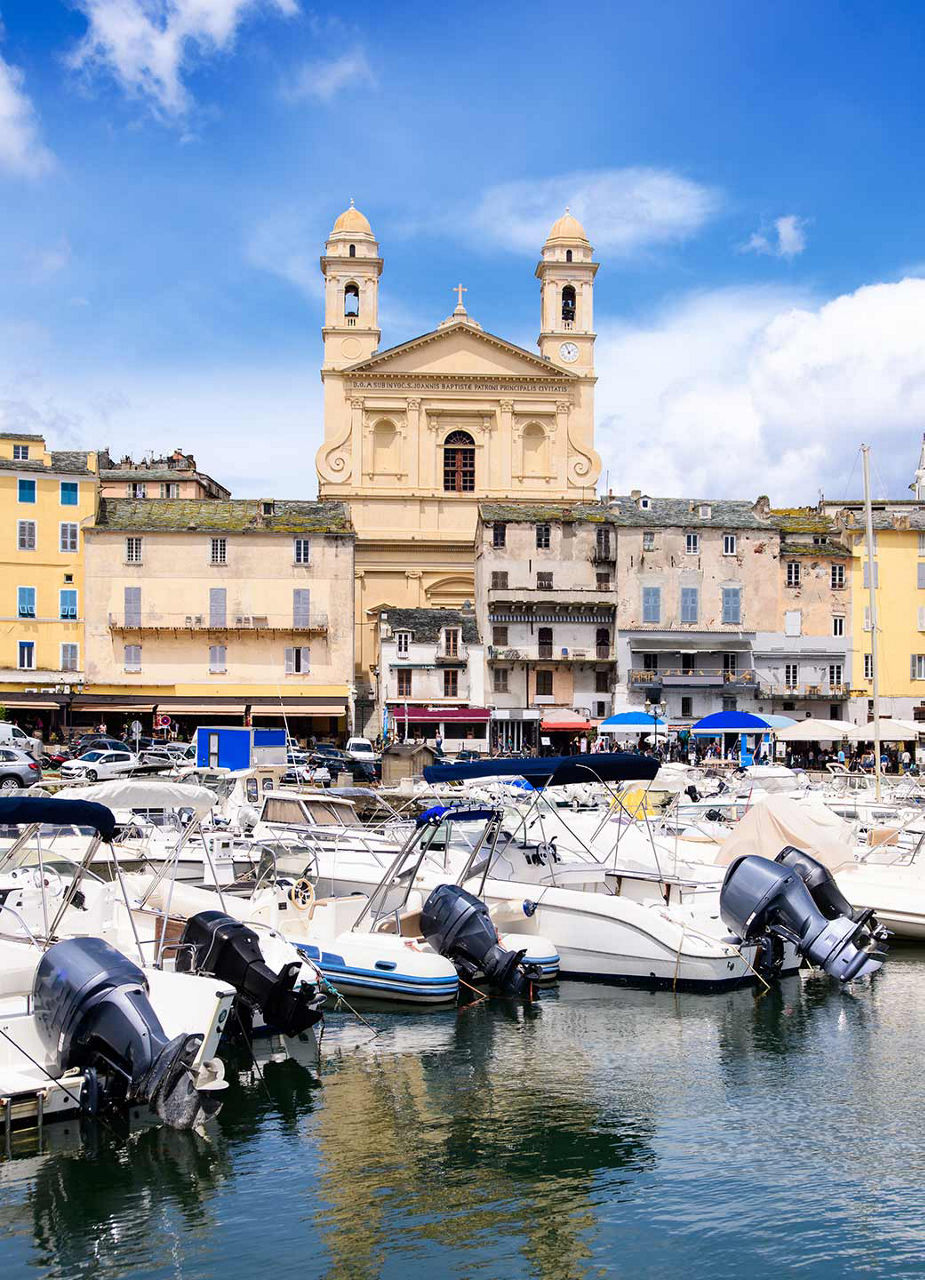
(315, 624)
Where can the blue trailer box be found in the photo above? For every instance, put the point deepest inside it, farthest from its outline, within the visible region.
(234, 747)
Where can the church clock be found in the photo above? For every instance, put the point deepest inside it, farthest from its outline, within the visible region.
(568, 352)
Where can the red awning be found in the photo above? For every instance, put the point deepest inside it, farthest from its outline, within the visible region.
(438, 715)
(566, 726)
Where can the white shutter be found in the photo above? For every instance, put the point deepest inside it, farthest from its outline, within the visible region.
(306, 658)
(290, 662)
(921, 574)
(922, 618)
(867, 626)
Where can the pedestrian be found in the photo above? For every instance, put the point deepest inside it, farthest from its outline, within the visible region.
(907, 761)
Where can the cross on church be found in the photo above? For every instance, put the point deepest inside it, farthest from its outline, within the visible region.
(459, 290)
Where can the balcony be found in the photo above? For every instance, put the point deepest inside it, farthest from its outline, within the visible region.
(452, 653)
(696, 678)
(604, 555)
(236, 624)
(552, 653)
(559, 595)
(805, 691)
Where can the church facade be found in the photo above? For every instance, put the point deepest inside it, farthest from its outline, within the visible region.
(418, 435)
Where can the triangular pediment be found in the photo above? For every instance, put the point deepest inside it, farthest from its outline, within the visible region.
(459, 349)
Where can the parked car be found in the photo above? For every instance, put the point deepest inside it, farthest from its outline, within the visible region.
(11, 735)
(98, 742)
(333, 757)
(94, 765)
(361, 749)
(316, 775)
(328, 749)
(17, 769)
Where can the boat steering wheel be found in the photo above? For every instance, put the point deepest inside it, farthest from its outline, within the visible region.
(302, 895)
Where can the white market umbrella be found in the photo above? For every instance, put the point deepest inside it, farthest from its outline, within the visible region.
(816, 731)
(890, 730)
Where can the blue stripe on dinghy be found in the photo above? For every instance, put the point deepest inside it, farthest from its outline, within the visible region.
(348, 981)
(328, 965)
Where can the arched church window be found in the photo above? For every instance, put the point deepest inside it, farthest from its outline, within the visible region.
(536, 453)
(459, 462)
(352, 300)
(568, 302)
(352, 251)
(568, 255)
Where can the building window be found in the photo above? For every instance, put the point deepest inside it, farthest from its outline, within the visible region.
(25, 602)
(301, 607)
(301, 550)
(868, 625)
(459, 463)
(297, 661)
(70, 657)
(499, 580)
(352, 251)
(648, 540)
(218, 607)
(131, 657)
(869, 666)
(26, 490)
(602, 682)
(499, 535)
(352, 299)
(687, 664)
(543, 532)
(730, 664)
(692, 544)
(544, 684)
(920, 576)
(20, 453)
(402, 643)
(500, 679)
(138, 489)
(706, 511)
(170, 489)
(544, 641)
(650, 662)
(918, 667)
(217, 662)
(67, 536)
(568, 303)
(602, 643)
(133, 550)
(729, 544)
(687, 708)
(791, 675)
(838, 625)
(499, 637)
(866, 575)
(219, 551)
(25, 535)
(451, 684)
(603, 580)
(732, 605)
(602, 544)
(651, 604)
(838, 577)
(645, 503)
(68, 603)
(451, 642)
(69, 495)
(793, 573)
(729, 704)
(404, 683)
(544, 582)
(26, 655)
(131, 599)
(600, 710)
(689, 604)
(835, 674)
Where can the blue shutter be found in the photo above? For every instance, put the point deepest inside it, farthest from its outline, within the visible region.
(218, 609)
(68, 604)
(732, 604)
(651, 604)
(26, 602)
(921, 577)
(689, 604)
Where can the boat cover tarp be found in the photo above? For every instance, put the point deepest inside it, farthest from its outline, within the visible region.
(22, 811)
(145, 793)
(436, 813)
(772, 824)
(551, 771)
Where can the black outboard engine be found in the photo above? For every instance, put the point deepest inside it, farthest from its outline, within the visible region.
(825, 892)
(761, 897)
(457, 924)
(92, 1008)
(222, 947)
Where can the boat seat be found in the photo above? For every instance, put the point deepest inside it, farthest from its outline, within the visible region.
(16, 976)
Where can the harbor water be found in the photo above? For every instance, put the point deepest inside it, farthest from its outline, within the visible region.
(602, 1132)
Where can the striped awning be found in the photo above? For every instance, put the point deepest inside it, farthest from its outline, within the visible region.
(299, 709)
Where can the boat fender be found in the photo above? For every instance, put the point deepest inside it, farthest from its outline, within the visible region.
(530, 908)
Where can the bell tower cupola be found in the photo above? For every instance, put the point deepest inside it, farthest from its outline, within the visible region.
(566, 274)
(351, 267)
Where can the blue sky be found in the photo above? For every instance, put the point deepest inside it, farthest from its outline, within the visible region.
(750, 175)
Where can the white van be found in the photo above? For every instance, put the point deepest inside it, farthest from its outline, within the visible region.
(361, 749)
(12, 734)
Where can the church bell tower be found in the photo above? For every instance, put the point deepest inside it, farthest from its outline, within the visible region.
(566, 275)
(351, 267)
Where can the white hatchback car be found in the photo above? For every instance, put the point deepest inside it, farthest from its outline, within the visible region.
(94, 765)
(362, 749)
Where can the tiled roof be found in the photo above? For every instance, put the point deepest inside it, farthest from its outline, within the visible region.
(66, 463)
(160, 474)
(626, 512)
(232, 515)
(20, 435)
(828, 547)
(425, 624)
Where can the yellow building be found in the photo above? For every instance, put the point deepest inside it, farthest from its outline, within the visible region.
(221, 611)
(416, 436)
(49, 496)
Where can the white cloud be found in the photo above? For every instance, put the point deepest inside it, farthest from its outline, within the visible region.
(286, 244)
(148, 45)
(623, 210)
(786, 238)
(748, 391)
(22, 152)
(323, 80)
(50, 261)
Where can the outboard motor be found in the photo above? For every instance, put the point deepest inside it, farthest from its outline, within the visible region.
(92, 1009)
(825, 892)
(457, 924)
(222, 947)
(760, 897)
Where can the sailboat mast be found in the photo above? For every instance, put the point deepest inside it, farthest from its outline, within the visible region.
(872, 597)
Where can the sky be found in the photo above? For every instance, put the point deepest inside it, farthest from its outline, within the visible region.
(750, 176)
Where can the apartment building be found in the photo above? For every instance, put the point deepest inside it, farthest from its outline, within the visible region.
(49, 496)
(431, 678)
(234, 610)
(173, 476)
(546, 603)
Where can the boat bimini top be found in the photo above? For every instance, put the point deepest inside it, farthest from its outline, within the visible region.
(26, 811)
(551, 771)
